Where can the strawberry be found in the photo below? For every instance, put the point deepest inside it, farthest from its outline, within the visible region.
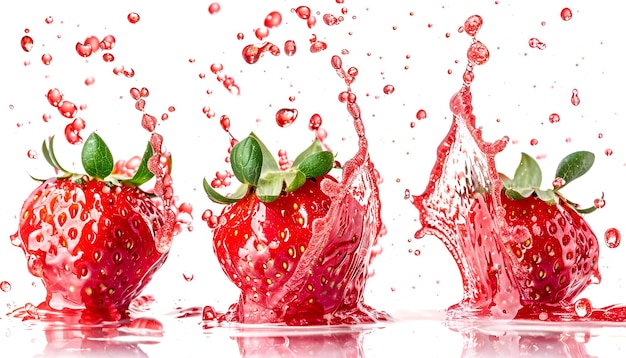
(91, 237)
(274, 242)
(553, 249)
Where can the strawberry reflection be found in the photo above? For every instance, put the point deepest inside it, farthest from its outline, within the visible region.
(329, 345)
(72, 333)
(510, 343)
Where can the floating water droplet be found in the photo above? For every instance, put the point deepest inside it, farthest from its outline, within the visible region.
(68, 109)
(27, 43)
(290, 47)
(478, 53)
(5, 286)
(421, 114)
(612, 237)
(554, 118)
(599, 203)
(273, 19)
(472, 25)
(133, 17)
(315, 122)
(536, 43)
(566, 14)
(286, 116)
(303, 12)
(214, 8)
(46, 59)
(388, 89)
(575, 99)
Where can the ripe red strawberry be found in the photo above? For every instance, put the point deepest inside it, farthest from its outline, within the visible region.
(553, 249)
(91, 238)
(274, 242)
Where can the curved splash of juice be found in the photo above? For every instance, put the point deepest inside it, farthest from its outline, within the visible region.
(461, 205)
(340, 249)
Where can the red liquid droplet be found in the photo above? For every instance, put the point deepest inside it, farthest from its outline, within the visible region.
(285, 117)
(214, 8)
(83, 50)
(27, 43)
(273, 19)
(46, 59)
(554, 118)
(54, 97)
(318, 46)
(330, 19)
(240, 36)
(133, 17)
(135, 94)
(478, 53)
(68, 109)
(225, 123)
(608, 152)
(32, 154)
(216, 67)
(311, 21)
(534, 142)
(261, 33)
(599, 203)
(388, 89)
(536, 43)
(290, 47)
(472, 25)
(612, 238)
(46, 117)
(107, 43)
(148, 122)
(575, 99)
(303, 12)
(315, 122)
(89, 81)
(566, 14)
(251, 54)
(583, 308)
(108, 57)
(421, 114)
(49, 20)
(5, 286)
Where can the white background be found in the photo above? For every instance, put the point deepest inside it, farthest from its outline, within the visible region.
(514, 94)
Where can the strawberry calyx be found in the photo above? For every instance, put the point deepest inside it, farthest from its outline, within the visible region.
(98, 163)
(527, 179)
(257, 170)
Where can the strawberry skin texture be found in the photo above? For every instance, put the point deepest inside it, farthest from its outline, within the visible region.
(553, 249)
(260, 245)
(91, 244)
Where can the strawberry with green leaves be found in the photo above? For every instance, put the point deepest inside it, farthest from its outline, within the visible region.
(91, 237)
(553, 250)
(273, 243)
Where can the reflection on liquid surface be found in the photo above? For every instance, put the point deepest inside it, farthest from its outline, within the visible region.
(40, 333)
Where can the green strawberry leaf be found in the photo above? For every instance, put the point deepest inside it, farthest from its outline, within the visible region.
(317, 164)
(246, 159)
(270, 186)
(219, 198)
(547, 196)
(143, 174)
(574, 166)
(315, 147)
(269, 164)
(526, 181)
(48, 153)
(293, 179)
(96, 157)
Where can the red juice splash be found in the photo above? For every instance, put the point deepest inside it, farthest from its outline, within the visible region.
(337, 233)
(462, 207)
